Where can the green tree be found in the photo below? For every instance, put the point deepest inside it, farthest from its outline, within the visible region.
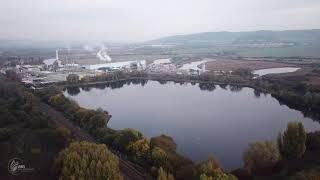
(163, 175)
(63, 132)
(73, 78)
(124, 137)
(84, 160)
(261, 156)
(292, 143)
(98, 119)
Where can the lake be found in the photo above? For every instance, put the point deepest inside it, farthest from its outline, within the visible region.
(203, 119)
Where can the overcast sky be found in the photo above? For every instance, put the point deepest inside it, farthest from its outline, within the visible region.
(139, 20)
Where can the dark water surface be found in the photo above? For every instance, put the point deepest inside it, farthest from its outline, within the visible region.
(210, 120)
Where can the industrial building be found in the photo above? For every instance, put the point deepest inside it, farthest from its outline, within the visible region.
(139, 64)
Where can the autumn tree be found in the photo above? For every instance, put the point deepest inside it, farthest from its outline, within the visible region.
(57, 100)
(205, 177)
(139, 148)
(163, 175)
(261, 156)
(210, 167)
(73, 78)
(164, 142)
(159, 157)
(292, 143)
(84, 160)
(219, 176)
(212, 170)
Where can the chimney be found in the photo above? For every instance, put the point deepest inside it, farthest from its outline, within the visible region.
(57, 55)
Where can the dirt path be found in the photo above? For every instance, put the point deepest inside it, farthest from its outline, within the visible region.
(127, 170)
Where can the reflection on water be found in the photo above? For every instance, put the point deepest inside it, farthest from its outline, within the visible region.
(203, 119)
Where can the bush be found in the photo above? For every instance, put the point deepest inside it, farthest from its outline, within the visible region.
(261, 156)
(311, 174)
(243, 72)
(189, 172)
(38, 121)
(313, 140)
(292, 143)
(84, 160)
(5, 133)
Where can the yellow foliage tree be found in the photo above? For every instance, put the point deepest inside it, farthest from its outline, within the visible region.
(163, 175)
(84, 160)
(139, 148)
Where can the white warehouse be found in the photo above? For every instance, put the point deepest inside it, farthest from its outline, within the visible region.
(139, 64)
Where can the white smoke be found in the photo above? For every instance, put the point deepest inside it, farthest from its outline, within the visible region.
(88, 48)
(103, 55)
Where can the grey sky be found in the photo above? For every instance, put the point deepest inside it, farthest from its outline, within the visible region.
(138, 20)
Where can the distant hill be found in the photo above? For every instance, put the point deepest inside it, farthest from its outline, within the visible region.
(288, 38)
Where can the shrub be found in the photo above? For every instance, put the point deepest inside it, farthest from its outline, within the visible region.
(292, 143)
(38, 121)
(313, 140)
(243, 72)
(5, 133)
(310, 174)
(261, 156)
(189, 172)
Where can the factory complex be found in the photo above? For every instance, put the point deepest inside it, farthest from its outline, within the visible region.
(54, 70)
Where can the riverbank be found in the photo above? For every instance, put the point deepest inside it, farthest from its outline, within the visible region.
(294, 92)
(284, 91)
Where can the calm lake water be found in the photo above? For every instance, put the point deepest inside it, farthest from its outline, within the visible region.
(203, 119)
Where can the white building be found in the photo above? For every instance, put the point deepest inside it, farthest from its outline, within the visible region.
(139, 64)
(50, 62)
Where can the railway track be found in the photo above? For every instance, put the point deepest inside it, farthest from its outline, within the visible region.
(127, 170)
